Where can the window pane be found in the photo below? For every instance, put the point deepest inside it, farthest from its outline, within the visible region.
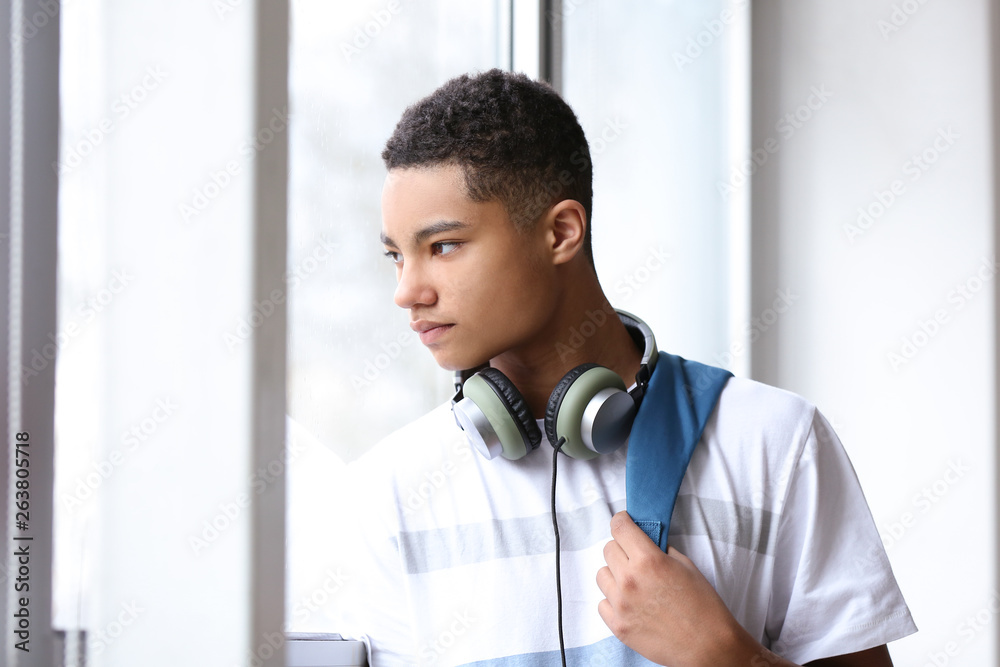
(154, 418)
(356, 371)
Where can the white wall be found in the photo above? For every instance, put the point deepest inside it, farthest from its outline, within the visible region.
(902, 79)
(664, 241)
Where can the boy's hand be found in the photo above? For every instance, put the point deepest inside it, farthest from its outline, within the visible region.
(662, 607)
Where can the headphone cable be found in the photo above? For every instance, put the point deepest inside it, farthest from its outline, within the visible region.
(555, 530)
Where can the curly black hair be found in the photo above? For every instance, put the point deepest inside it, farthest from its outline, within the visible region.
(516, 140)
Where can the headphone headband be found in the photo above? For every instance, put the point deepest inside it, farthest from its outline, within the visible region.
(642, 335)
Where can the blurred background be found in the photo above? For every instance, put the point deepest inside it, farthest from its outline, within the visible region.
(201, 336)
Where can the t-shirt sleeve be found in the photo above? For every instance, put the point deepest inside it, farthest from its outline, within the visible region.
(834, 592)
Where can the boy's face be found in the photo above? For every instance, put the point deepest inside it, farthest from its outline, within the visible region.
(475, 286)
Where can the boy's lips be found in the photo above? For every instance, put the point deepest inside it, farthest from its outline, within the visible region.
(430, 331)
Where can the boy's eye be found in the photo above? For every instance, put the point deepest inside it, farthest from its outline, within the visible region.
(445, 247)
(394, 256)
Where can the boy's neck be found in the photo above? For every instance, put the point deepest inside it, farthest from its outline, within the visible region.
(583, 330)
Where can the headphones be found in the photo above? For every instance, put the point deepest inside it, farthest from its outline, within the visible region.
(589, 407)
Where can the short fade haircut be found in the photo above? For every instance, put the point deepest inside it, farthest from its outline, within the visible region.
(515, 139)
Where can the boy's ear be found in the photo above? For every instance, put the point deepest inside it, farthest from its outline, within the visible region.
(567, 224)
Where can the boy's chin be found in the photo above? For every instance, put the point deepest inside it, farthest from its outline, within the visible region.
(454, 363)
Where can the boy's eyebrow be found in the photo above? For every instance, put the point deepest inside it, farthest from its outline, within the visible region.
(422, 235)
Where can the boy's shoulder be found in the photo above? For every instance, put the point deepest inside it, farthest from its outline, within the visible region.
(426, 432)
(755, 441)
(755, 393)
(426, 442)
(747, 402)
(754, 419)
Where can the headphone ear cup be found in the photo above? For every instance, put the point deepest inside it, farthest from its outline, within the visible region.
(590, 408)
(556, 399)
(506, 410)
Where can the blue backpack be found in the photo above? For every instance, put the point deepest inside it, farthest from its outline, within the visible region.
(676, 405)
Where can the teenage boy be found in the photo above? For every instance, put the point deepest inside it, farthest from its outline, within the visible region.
(773, 556)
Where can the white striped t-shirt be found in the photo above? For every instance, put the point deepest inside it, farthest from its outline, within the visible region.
(457, 559)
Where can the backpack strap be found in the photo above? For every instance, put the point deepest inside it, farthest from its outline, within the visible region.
(678, 402)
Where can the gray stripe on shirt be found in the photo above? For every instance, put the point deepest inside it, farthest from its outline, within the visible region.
(443, 548)
(722, 521)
